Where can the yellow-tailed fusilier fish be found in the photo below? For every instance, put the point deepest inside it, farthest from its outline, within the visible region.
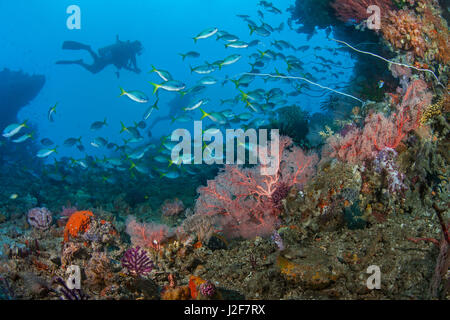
(237, 45)
(23, 138)
(150, 109)
(171, 174)
(161, 159)
(70, 142)
(98, 125)
(182, 118)
(47, 142)
(81, 163)
(172, 85)
(207, 81)
(14, 129)
(263, 32)
(206, 34)
(196, 104)
(165, 75)
(228, 37)
(44, 153)
(124, 128)
(214, 116)
(99, 142)
(230, 60)
(139, 168)
(203, 69)
(135, 95)
(138, 153)
(51, 112)
(190, 54)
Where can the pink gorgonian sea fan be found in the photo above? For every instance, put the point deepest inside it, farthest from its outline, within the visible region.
(247, 203)
(172, 207)
(147, 235)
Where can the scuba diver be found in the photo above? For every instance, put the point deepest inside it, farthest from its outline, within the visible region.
(175, 107)
(122, 54)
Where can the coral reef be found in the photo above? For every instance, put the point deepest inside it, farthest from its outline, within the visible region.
(98, 270)
(420, 30)
(356, 186)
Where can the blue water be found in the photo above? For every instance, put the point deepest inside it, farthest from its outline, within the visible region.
(32, 34)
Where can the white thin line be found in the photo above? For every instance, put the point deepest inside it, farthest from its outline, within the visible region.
(390, 61)
(304, 79)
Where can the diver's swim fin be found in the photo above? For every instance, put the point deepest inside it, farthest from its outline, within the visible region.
(73, 45)
(69, 62)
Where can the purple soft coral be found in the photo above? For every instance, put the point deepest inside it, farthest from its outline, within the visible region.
(67, 293)
(385, 161)
(208, 289)
(40, 218)
(137, 262)
(276, 238)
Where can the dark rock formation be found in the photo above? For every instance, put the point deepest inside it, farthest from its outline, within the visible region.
(16, 91)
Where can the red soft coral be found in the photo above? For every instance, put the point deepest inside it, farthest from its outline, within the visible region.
(347, 10)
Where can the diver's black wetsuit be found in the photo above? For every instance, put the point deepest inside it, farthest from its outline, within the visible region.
(175, 107)
(122, 54)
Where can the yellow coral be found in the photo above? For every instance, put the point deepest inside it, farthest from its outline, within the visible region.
(287, 267)
(431, 112)
(327, 133)
(177, 293)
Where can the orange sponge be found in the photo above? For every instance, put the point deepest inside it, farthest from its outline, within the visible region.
(194, 283)
(78, 221)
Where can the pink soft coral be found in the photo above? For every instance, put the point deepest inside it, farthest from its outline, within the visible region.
(380, 131)
(172, 207)
(146, 235)
(247, 202)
